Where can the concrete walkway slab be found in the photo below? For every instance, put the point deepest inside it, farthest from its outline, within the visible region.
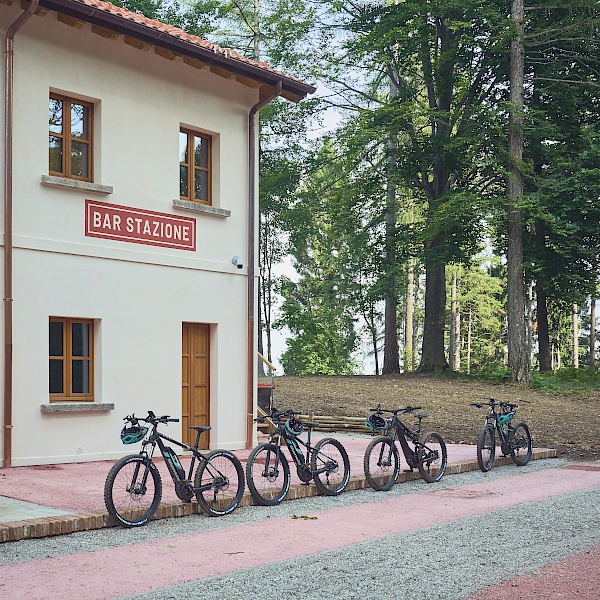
(18, 510)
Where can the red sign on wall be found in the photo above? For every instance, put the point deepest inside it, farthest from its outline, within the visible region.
(139, 226)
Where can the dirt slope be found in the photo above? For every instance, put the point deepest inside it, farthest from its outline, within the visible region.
(570, 424)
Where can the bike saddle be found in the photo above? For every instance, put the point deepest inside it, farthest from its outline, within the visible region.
(199, 427)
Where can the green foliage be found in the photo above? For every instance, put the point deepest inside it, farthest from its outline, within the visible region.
(567, 381)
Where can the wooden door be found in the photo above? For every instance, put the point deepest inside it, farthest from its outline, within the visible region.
(195, 381)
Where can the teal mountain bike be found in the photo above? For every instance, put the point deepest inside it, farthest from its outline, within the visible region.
(514, 439)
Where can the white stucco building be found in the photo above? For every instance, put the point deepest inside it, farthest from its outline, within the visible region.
(129, 189)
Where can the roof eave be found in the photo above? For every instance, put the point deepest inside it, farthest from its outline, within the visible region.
(292, 89)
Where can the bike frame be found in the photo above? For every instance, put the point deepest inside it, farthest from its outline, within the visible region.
(492, 418)
(156, 438)
(293, 443)
(401, 433)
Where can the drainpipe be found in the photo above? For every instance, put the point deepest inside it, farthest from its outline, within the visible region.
(8, 218)
(252, 164)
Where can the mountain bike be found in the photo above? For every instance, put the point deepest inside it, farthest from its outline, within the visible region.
(382, 459)
(514, 439)
(133, 486)
(268, 471)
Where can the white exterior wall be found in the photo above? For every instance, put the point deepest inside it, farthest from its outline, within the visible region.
(138, 294)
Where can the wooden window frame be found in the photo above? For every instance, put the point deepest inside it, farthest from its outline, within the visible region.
(67, 138)
(191, 133)
(67, 357)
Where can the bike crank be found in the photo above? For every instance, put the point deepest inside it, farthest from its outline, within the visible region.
(304, 473)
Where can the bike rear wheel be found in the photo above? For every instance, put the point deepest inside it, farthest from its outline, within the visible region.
(268, 475)
(520, 444)
(432, 457)
(219, 483)
(132, 490)
(486, 448)
(330, 466)
(382, 463)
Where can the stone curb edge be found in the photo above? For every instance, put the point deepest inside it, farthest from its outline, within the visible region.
(61, 525)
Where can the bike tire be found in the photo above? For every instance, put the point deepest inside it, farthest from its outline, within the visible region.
(267, 486)
(381, 463)
(127, 508)
(224, 473)
(432, 469)
(486, 448)
(520, 444)
(329, 454)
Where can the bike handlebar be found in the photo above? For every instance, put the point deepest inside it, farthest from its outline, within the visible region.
(277, 415)
(491, 402)
(151, 418)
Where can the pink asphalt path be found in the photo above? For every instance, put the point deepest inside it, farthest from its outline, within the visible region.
(574, 577)
(175, 560)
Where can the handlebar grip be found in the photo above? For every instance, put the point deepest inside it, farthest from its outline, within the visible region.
(173, 420)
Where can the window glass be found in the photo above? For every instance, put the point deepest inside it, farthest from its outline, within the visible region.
(79, 159)
(55, 117)
(56, 338)
(183, 180)
(56, 154)
(201, 185)
(80, 121)
(183, 147)
(56, 377)
(80, 377)
(80, 339)
(201, 152)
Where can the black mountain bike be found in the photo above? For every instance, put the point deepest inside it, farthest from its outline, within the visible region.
(382, 460)
(268, 471)
(514, 439)
(133, 486)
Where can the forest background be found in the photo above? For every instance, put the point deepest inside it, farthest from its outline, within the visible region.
(450, 220)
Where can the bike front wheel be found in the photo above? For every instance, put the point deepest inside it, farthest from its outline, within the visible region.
(330, 467)
(486, 448)
(132, 490)
(268, 475)
(520, 445)
(219, 483)
(432, 457)
(382, 463)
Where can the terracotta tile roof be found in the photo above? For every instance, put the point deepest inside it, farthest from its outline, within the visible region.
(175, 32)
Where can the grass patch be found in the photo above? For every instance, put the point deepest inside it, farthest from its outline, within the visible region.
(566, 381)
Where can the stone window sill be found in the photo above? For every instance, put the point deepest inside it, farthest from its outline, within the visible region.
(60, 407)
(74, 184)
(211, 211)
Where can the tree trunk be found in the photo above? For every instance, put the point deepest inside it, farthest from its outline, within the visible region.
(433, 357)
(518, 362)
(530, 319)
(543, 331)
(391, 354)
(374, 339)
(409, 360)
(575, 336)
(454, 353)
(593, 332)
(469, 341)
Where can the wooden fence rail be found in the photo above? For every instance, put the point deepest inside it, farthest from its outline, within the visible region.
(331, 423)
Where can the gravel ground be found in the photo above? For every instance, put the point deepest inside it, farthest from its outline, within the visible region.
(442, 561)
